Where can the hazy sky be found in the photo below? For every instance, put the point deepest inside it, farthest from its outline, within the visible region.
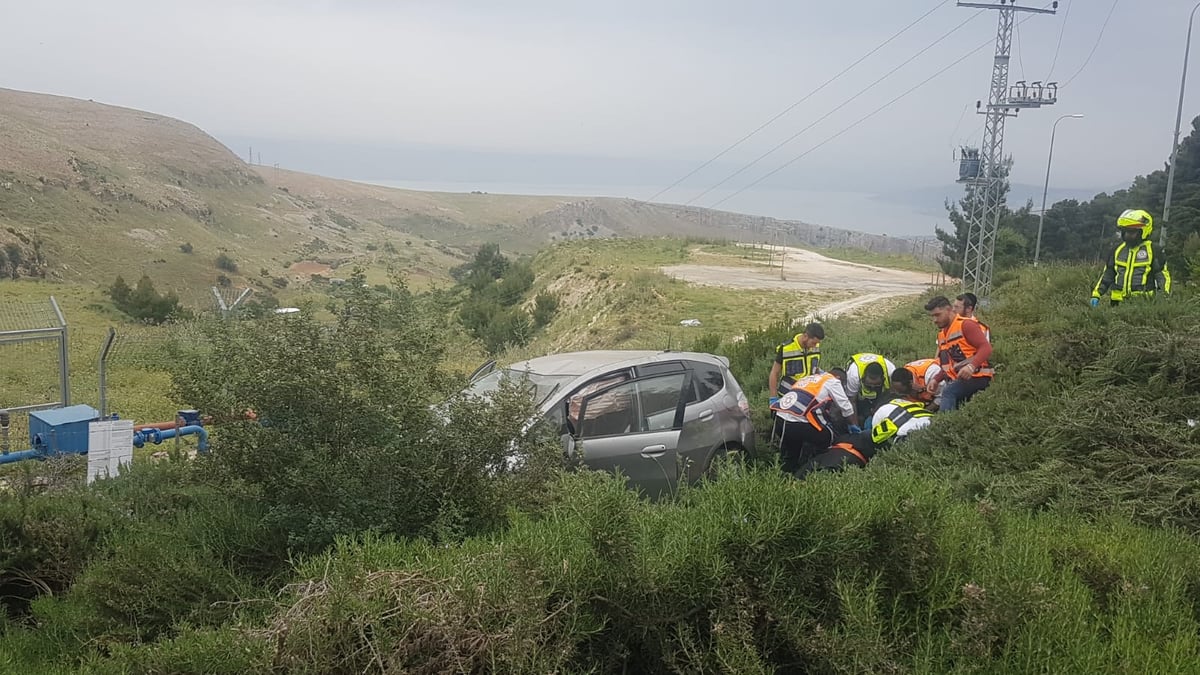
(653, 86)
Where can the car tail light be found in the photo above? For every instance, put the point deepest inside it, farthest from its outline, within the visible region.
(743, 404)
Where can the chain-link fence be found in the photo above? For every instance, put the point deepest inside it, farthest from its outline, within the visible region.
(34, 366)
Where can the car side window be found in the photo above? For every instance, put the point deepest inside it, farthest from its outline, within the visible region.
(638, 406)
(707, 381)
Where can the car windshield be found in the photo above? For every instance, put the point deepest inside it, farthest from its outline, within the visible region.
(541, 386)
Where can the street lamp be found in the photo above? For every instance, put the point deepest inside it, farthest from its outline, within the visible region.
(1162, 234)
(1037, 251)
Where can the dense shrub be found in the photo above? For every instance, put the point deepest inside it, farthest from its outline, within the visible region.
(866, 572)
(492, 310)
(224, 262)
(143, 302)
(346, 438)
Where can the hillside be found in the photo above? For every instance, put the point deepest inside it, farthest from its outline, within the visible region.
(89, 190)
(1047, 527)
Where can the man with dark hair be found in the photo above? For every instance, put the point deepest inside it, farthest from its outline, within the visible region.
(966, 305)
(963, 353)
(799, 358)
(867, 381)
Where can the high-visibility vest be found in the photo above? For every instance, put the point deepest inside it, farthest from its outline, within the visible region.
(987, 332)
(954, 351)
(799, 362)
(1133, 265)
(903, 412)
(921, 372)
(860, 362)
(808, 399)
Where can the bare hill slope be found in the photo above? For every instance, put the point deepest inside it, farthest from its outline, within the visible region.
(89, 190)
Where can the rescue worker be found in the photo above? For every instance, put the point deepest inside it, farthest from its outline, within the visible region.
(1135, 268)
(868, 379)
(907, 415)
(919, 381)
(804, 410)
(799, 358)
(963, 353)
(965, 305)
(893, 422)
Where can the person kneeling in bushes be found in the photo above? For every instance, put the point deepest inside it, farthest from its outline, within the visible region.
(893, 422)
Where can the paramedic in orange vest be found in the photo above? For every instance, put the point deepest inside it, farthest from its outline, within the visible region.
(919, 381)
(804, 410)
(1135, 269)
(963, 353)
(893, 422)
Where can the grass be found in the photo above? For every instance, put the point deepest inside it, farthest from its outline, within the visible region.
(612, 295)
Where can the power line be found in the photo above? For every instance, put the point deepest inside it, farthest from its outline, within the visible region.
(1094, 47)
(1020, 54)
(857, 122)
(1062, 29)
(807, 96)
(843, 104)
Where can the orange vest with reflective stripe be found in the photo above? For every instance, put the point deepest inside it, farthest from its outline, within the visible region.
(808, 392)
(954, 351)
(920, 373)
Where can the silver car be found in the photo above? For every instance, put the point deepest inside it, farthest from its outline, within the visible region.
(656, 417)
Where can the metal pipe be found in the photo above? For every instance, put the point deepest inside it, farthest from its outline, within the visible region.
(1037, 251)
(36, 407)
(1166, 218)
(9, 458)
(157, 436)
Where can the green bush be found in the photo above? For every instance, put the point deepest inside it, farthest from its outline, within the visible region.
(144, 303)
(224, 262)
(348, 440)
(871, 571)
(192, 568)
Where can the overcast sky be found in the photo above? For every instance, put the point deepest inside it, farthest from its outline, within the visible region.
(647, 89)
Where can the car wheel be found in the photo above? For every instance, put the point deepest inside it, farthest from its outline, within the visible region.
(726, 459)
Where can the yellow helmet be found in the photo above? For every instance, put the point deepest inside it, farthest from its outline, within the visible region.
(884, 431)
(1136, 219)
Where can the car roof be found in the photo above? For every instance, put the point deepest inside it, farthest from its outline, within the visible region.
(580, 363)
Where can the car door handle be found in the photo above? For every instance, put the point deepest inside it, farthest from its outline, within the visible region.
(705, 416)
(654, 450)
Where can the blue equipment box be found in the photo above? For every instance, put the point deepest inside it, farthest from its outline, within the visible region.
(61, 430)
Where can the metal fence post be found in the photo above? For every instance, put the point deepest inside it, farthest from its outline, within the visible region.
(103, 370)
(64, 363)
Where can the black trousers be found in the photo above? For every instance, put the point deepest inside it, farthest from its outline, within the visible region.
(800, 442)
(833, 459)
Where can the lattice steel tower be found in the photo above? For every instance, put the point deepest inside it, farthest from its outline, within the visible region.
(983, 168)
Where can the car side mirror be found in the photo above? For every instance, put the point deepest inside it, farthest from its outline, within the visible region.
(568, 444)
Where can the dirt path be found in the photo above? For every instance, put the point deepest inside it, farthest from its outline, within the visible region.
(808, 271)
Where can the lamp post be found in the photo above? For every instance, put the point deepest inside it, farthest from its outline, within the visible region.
(1037, 251)
(1162, 234)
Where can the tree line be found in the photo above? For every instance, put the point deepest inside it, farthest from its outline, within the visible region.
(1085, 231)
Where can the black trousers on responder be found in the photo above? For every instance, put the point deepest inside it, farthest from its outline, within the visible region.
(800, 442)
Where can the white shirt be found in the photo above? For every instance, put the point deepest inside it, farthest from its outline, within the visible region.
(905, 429)
(831, 390)
(854, 378)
